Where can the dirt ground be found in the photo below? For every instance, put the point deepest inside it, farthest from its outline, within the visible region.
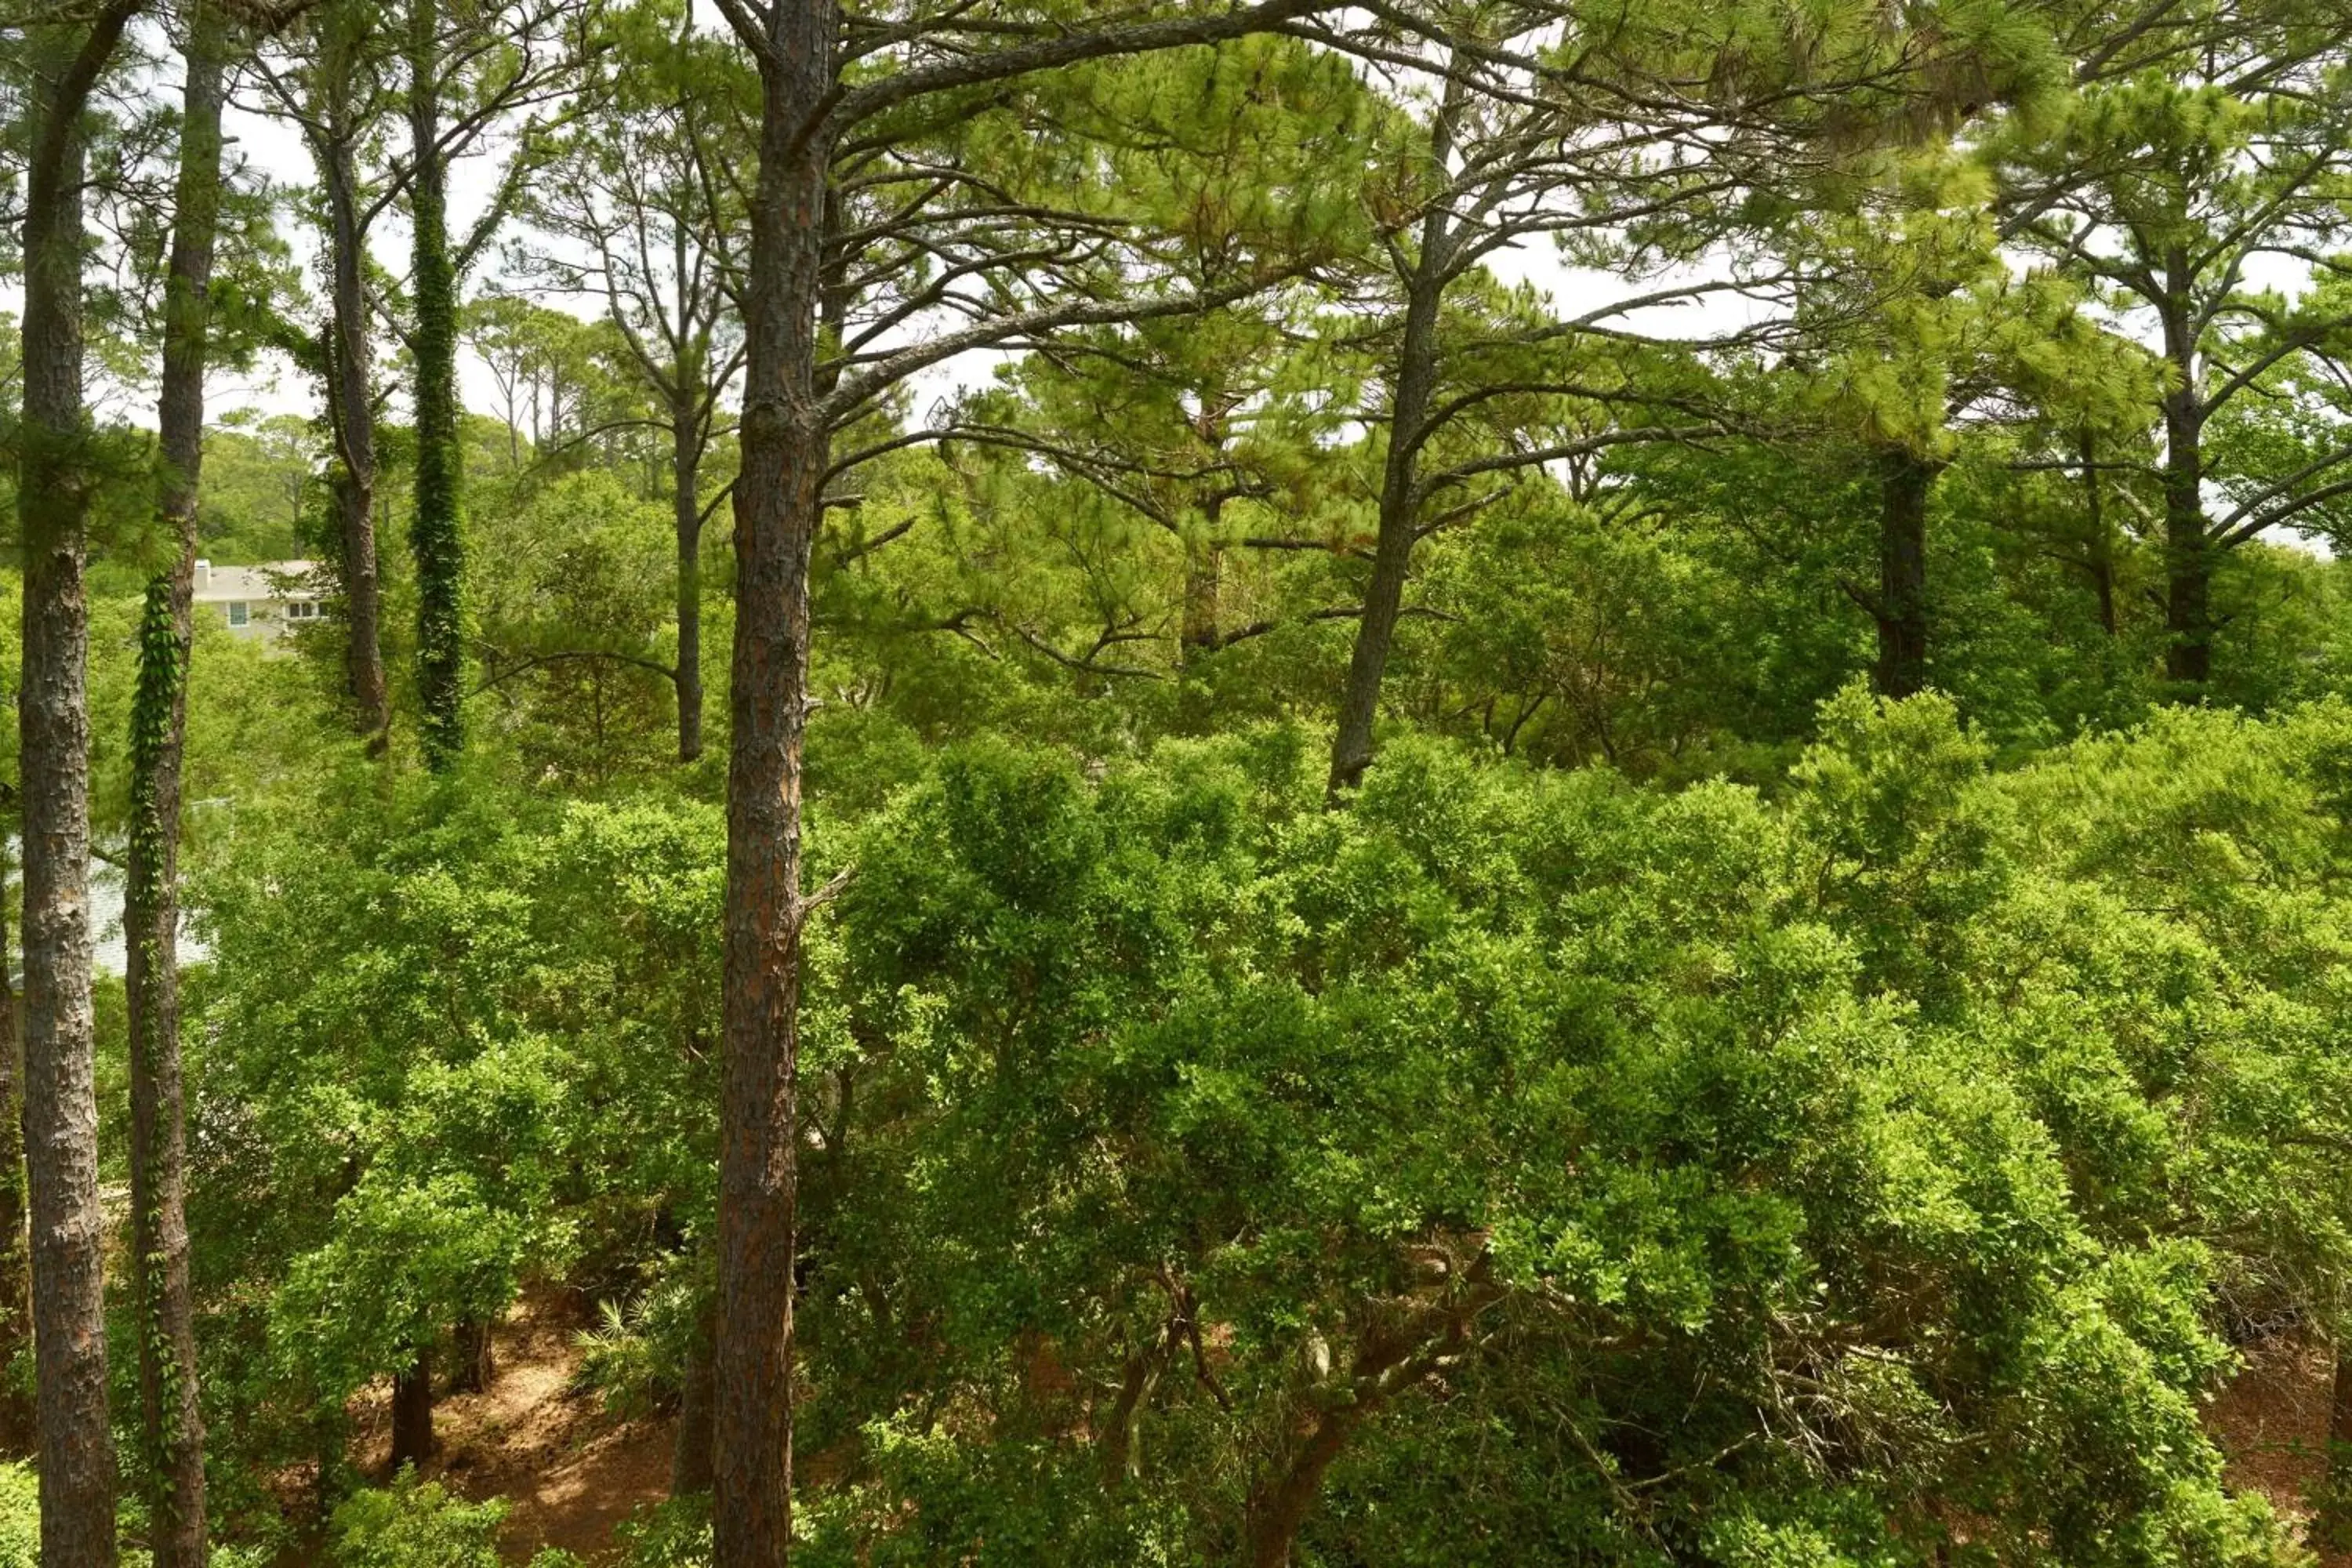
(2271, 1423)
(571, 1472)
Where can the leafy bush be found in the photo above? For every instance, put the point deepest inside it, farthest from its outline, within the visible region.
(20, 1516)
(414, 1524)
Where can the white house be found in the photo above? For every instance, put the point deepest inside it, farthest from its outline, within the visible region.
(261, 601)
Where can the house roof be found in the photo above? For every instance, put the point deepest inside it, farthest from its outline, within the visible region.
(269, 581)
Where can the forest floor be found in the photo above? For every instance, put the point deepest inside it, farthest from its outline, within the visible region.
(571, 1471)
(2271, 1423)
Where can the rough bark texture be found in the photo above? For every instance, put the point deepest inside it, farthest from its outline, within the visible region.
(172, 1421)
(411, 1414)
(1905, 481)
(2187, 544)
(352, 395)
(436, 535)
(18, 1430)
(785, 446)
(76, 1447)
(685, 480)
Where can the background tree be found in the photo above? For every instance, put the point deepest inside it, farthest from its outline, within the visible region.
(2191, 179)
(641, 215)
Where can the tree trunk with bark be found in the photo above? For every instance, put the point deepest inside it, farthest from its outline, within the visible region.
(472, 1357)
(1414, 394)
(68, 1223)
(2099, 555)
(171, 1420)
(1906, 482)
(352, 405)
(1399, 523)
(690, 1454)
(435, 533)
(411, 1414)
(786, 447)
(686, 504)
(2188, 543)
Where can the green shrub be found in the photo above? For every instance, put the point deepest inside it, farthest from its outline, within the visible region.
(20, 1517)
(413, 1524)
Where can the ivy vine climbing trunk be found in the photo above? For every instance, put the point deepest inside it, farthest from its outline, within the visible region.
(172, 1424)
(435, 536)
(54, 480)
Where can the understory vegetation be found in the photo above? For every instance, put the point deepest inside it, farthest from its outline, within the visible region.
(1474, 783)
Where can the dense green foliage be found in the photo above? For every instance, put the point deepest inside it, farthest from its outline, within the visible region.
(1822, 1036)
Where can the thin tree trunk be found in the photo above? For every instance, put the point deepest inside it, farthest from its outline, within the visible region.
(172, 1423)
(411, 1414)
(2187, 544)
(686, 478)
(778, 507)
(76, 1447)
(2100, 553)
(19, 1430)
(1400, 511)
(1400, 520)
(690, 1454)
(474, 1363)
(2337, 1514)
(435, 534)
(1904, 484)
(1200, 627)
(2339, 1415)
(352, 397)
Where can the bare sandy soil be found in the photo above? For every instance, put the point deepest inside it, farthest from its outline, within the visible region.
(570, 1471)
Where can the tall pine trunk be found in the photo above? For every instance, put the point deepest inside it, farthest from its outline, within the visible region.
(172, 1421)
(350, 374)
(76, 1447)
(786, 447)
(1905, 481)
(686, 502)
(2188, 543)
(435, 536)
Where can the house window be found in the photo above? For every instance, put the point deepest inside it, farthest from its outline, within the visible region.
(239, 612)
(301, 610)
